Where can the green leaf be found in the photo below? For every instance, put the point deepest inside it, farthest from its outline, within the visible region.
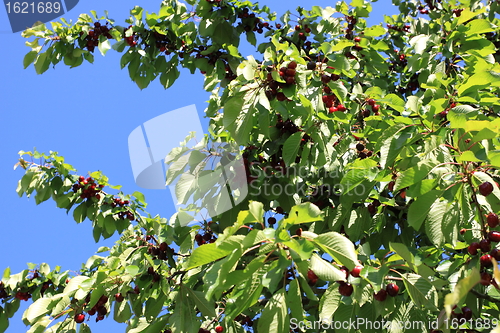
(468, 156)
(392, 141)
(330, 301)
(42, 63)
(104, 45)
(291, 148)
(374, 31)
(414, 174)
(132, 270)
(206, 254)
(294, 300)
(420, 208)
(139, 197)
(232, 110)
(339, 247)
(29, 58)
(206, 308)
(479, 26)
(421, 291)
(462, 288)
(304, 213)
(80, 212)
(325, 270)
(39, 308)
(404, 253)
(274, 318)
(75, 283)
(434, 223)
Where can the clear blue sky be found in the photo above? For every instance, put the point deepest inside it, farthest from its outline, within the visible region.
(85, 114)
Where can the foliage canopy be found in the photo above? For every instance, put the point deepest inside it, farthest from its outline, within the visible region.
(364, 146)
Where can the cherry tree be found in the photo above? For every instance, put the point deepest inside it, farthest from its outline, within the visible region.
(370, 157)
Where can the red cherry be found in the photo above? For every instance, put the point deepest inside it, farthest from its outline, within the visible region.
(495, 253)
(371, 102)
(281, 97)
(463, 231)
(492, 219)
(485, 279)
(219, 329)
(119, 297)
(485, 188)
(292, 65)
(356, 270)
(485, 245)
(473, 247)
(357, 39)
(381, 295)
(345, 289)
(271, 220)
(311, 275)
(392, 289)
(332, 109)
(467, 313)
(494, 236)
(485, 260)
(79, 318)
(375, 107)
(341, 107)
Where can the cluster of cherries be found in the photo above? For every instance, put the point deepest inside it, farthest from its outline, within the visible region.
(330, 100)
(89, 188)
(405, 28)
(161, 252)
(444, 114)
(373, 106)
(24, 296)
(287, 126)
(346, 289)
(320, 198)
(303, 32)
(207, 237)
(287, 74)
(212, 58)
(117, 202)
(251, 23)
(362, 151)
(484, 245)
(92, 38)
(132, 39)
(372, 206)
(244, 320)
(3, 292)
(155, 274)
(466, 313)
(351, 24)
(400, 62)
(163, 43)
(98, 308)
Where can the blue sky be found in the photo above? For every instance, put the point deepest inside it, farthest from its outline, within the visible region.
(86, 114)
